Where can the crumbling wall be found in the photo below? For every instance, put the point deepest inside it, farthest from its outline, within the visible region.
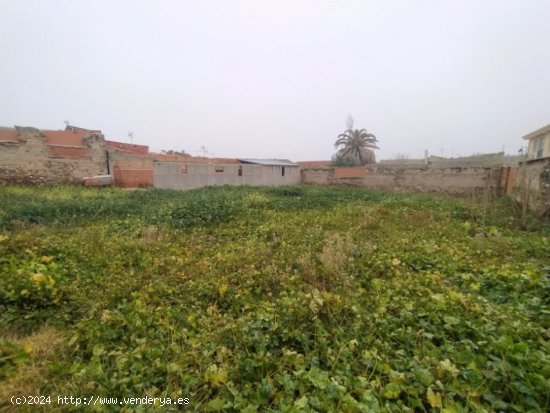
(534, 176)
(50, 157)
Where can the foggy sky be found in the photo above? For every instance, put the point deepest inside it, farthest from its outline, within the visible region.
(277, 79)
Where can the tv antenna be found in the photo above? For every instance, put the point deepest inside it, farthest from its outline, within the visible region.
(205, 151)
(131, 136)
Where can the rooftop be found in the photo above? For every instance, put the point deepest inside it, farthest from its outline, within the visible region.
(541, 131)
(269, 162)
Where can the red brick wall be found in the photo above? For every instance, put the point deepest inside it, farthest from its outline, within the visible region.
(128, 147)
(133, 178)
(508, 179)
(351, 172)
(314, 164)
(8, 135)
(73, 152)
(133, 171)
(64, 137)
(134, 162)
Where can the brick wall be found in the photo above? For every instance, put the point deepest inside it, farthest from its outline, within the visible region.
(64, 137)
(128, 147)
(314, 164)
(349, 172)
(8, 135)
(131, 170)
(69, 152)
(133, 178)
(508, 179)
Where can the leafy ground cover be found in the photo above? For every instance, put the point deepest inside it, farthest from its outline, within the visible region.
(293, 299)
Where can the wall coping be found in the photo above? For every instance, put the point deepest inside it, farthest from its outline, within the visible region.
(65, 146)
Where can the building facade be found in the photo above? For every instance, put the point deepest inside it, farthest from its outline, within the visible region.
(539, 144)
(257, 172)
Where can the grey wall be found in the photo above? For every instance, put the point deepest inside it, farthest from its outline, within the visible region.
(180, 175)
(446, 180)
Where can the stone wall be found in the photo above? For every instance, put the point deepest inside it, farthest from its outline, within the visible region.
(28, 155)
(535, 175)
(447, 180)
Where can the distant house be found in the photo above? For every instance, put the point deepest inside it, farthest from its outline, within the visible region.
(535, 173)
(539, 144)
(314, 164)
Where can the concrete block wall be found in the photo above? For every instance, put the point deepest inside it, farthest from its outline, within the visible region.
(447, 180)
(489, 160)
(183, 175)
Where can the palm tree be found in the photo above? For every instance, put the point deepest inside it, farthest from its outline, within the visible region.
(357, 143)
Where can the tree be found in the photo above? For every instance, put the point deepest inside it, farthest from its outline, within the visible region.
(173, 152)
(344, 160)
(357, 143)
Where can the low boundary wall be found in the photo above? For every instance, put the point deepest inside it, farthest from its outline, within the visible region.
(455, 180)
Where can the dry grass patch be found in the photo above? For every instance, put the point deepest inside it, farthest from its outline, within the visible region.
(28, 379)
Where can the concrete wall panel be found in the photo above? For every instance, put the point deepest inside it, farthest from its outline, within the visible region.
(169, 175)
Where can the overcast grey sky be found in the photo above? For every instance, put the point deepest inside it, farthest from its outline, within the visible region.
(278, 78)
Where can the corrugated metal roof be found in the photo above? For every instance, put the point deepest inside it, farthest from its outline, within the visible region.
(269, 162)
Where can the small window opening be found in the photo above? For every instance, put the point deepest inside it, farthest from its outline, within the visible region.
(240, 171)
(219, 169)
(539, 147)
(283, 171)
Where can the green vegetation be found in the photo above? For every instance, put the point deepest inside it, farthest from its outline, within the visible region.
(292, 299)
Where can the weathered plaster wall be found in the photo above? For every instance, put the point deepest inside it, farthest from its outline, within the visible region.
(535, 175)
(488, 160)
(50, 157)
(448, 180)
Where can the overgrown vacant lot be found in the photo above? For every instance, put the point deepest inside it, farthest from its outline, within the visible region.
(287, 299)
